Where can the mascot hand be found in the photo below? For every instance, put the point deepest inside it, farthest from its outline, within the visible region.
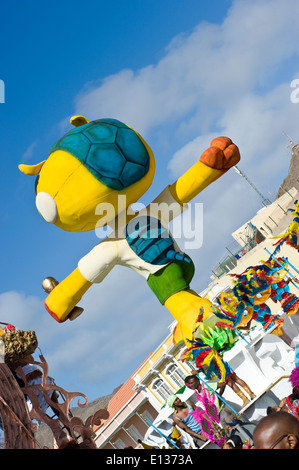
(213, 163)
(221, 155)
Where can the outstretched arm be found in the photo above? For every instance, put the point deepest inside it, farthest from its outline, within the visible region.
(188, 430)
(282, 404)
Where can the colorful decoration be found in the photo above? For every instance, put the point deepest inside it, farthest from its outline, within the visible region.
(233, 312)
(219, 339)
(207, 360)
(91, 177)
(208, 417)
(236, 309)
(291, 236)
(254, 286)
(294, 376)
(7, 328)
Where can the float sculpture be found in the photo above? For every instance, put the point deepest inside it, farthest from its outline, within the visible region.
(291, 236)
(254, 286)
(91, 177)
(280, 290)
(251, 290)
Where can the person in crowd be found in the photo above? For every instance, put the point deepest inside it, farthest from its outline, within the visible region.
(278, 430)
(225, 413)
(184, 419)
(233, 381)
(233, 442)
(290, 403)
(272, 409)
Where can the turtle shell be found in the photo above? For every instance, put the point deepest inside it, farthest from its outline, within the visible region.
(109, 149)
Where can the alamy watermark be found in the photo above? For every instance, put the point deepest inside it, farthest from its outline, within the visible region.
(295, 93)
(186, 221)
(2, 91)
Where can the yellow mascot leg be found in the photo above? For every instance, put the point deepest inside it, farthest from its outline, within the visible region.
(65, 296)
(188, 308)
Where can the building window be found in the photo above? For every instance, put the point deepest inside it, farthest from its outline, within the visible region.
(120, 444)
(134, 432)
(162, 389)
(147, 416)
(176, 375)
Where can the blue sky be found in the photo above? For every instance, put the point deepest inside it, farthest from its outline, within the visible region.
(180, 73)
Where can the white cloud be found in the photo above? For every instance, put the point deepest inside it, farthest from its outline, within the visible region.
(203, 74)
(19, 309)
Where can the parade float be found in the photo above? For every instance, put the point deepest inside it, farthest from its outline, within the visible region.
(29, 398)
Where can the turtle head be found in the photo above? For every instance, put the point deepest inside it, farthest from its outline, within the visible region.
(92, 173)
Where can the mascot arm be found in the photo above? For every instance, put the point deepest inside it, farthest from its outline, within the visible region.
(213, 163)
(92, 268)
(166, 207)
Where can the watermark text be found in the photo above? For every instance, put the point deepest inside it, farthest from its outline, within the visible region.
(151, 221)
(2, 91)
(295, 93)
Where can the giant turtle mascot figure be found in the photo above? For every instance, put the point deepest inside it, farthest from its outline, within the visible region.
(91, 177)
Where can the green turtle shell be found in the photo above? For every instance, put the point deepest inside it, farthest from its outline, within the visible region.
(110, 150)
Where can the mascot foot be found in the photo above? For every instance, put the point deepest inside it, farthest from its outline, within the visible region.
(63, 297)
(75, 313)
(61, 309)
(221, 155)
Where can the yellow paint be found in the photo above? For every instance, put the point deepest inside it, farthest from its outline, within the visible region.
(166, 377)
(195, 180)
(144, 369)
(264, 296)
(65, 296)
(78, 121)
(185, 306)
(77, 193)
(155, 357)
(31, 170)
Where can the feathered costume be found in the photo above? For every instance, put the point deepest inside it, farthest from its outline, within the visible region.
(208, 361)
(236, 309)
(233, 312)
(294, 376)
(208, 417)
(290, 236)
(280, 291)
(255, 286)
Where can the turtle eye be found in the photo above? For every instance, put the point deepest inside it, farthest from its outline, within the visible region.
(36, 183)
